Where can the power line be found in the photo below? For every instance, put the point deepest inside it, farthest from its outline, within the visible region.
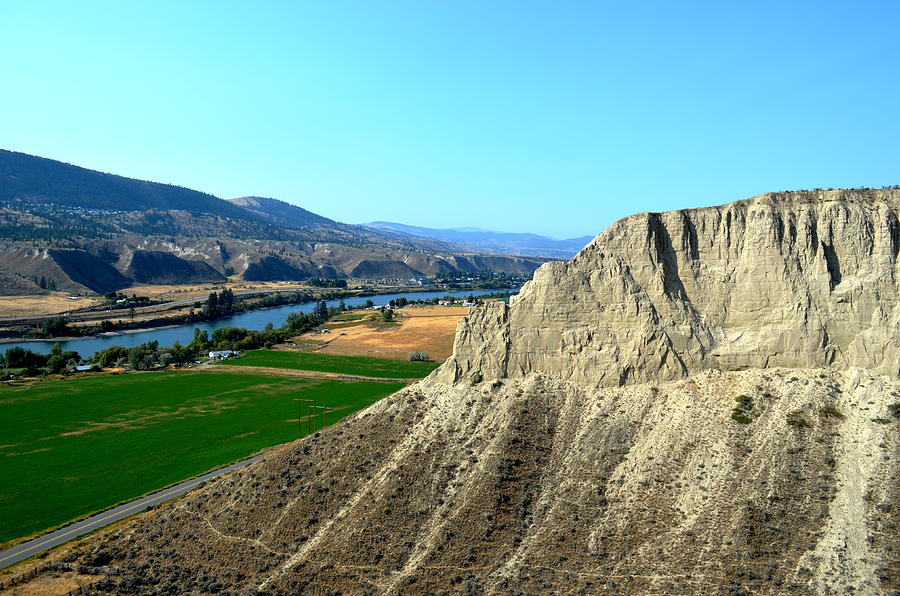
(299, 419)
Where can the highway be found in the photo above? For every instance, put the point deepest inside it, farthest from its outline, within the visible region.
(98, 520)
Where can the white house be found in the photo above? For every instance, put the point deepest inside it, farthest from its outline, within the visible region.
(222, 354)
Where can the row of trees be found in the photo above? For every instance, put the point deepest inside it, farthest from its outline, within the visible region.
(219, 304)
(35, 363)
(45, 284)
(151, 355)
(484, 279)
(146, 356)
(320, 282)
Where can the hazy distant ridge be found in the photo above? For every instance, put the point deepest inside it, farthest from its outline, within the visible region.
(523, 244)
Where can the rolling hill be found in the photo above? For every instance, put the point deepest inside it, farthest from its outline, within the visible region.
(63, 222)
(31, 180)
(479, 240)
(281, 213)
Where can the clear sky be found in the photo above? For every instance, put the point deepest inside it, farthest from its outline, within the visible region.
(548, 117)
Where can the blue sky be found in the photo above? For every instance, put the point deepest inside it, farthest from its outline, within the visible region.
(549, 117)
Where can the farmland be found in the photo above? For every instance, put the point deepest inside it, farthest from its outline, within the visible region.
(348, 365)
(76, 446)
(429, 329)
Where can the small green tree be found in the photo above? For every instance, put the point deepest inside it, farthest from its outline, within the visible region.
(179, 354)
(110, 356)
(211, 308)
(200, 342)
(57, 361)
(388, 315)
(226, 301)
(56, 327)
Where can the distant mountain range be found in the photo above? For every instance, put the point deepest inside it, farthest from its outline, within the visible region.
(506, 243)
(87, 231)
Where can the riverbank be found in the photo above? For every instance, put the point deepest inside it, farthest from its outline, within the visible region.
(13, 340)
(249, 301)
(255, 320)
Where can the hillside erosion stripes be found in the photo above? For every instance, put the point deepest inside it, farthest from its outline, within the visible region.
(801, 279)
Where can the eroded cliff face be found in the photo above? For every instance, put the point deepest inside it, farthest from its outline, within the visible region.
(701, 402)
(792, 279)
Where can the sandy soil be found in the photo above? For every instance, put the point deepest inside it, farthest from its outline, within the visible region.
(50, 584)
(428, 329)
(26, 306)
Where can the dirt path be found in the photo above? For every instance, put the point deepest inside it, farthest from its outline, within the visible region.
(291, 372)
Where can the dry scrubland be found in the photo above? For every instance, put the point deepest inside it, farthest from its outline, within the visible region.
(27, 306)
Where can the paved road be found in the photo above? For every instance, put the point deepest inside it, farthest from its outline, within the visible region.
(63, 535)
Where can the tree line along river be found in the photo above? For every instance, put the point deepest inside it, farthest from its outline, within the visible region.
(254, 320)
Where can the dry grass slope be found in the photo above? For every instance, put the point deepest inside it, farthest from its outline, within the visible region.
(538, 486)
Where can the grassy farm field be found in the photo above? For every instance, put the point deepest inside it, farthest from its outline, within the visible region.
(68, 448)
(348, 365)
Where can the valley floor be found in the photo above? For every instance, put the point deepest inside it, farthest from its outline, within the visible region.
(97, 440)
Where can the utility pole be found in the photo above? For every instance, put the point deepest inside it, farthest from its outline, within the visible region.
(299, 427)
(323, 408)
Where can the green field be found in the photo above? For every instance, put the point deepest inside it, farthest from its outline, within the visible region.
(348, 365)
(68, 448)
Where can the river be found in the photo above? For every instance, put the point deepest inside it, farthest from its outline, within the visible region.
(254, 319)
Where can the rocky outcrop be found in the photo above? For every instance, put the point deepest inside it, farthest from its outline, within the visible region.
(790, 279)
(373, 269)
(158, 267)
(272, 269)
(70, 270)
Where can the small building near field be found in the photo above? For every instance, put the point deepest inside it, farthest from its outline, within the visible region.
(222, 354)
